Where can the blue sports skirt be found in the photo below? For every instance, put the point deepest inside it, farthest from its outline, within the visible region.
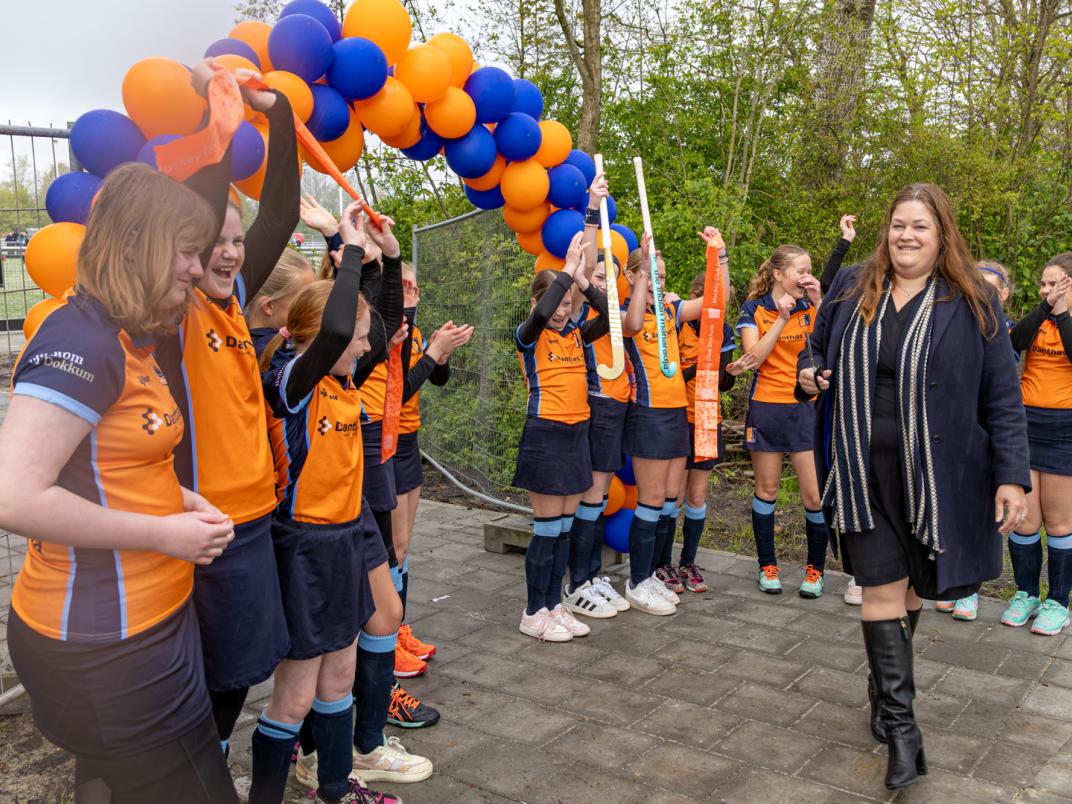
(606, 429)
(240, 610)
(1049, 435)
(407, 464)
(379, 488)
(779, 427)
(553, 458)
(658, 434)
(707, 465)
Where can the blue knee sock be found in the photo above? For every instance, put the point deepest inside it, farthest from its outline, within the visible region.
(815, 525)
(273, 746)
(372, 688)
(1059, 550)
(553, 595)
(1025, 550)
(581, 537)
(332, 723)
(763, 530)
(540, 560)
(692, 530)
(642, 542)
(595, 561)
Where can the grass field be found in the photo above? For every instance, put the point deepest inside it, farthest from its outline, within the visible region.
(18, 293)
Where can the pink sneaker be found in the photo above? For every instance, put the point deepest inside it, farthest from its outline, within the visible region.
(691, 578)
(668, 576)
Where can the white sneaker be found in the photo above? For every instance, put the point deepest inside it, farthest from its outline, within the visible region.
(666, 594)
(544, 627)
(854, 595)
(391, 762)
(602, 586)
(587, 601)
(571, 623)
(645, 598)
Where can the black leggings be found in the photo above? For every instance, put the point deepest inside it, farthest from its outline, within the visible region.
(226, 707)
(188, 770)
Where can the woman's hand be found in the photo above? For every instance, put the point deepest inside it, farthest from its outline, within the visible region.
(848, 227)
(195, 536)
(812, 382)
(575, 258)
(785, 306)
(192, 501)
(384, 237)
(259, 100)
(669, 297)
(202, 73)
(352, 226)
(598, 191)
(1058, 293)
(712, 237)
(745, 362)
(399, 337)
(316, 217)
(810, 285)
(446, 340)
(1010, 507)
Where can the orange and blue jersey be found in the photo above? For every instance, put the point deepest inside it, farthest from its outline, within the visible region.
(409, 420)
(277, 441)
(81, 361)
(1047, 377)
(599, 353)
(777, 376)
(555, 372)
(652, 388)
(689, 346)
(323, 446)
(374, 394)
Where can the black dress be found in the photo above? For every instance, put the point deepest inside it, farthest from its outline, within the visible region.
(891, 551)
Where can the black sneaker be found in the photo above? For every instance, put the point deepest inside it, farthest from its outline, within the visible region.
(407, 712)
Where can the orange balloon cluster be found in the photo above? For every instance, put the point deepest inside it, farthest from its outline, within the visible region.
(159, 99)
(52, 256)
(385, 22)
(38, 313)
(459, 53)
(296, 90)
(525, 185)
(426, 72)
(344, 152)
(388, 112)
(255, 34)
(452, 115)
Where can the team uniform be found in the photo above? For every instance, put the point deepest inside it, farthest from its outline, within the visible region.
(407, 459)
(689, 347)
(1046, 386)
(608, 402)
(380, 487)
(106, 641)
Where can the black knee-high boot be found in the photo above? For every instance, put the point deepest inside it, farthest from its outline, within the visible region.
(890, 652)
(878, 731)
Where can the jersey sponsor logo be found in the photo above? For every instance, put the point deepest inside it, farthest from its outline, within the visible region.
(68, 362)
(556, 358)
(153, 421)
(144, 379)
(324, 393)
(349, 428)
(323, 425)
(1041, 350)
(214, 340)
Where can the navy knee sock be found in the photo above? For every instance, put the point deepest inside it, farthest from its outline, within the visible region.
(273, 746)
(404, 591)
(1059, 550)
(815, 526)
(560, 564)
(373, 680)
(642, 542)
(540, 560)
(581, 537)
(1025, 550)
(332, 722)
(305, 737)
(595, 560)
(664, 536)
(763, 530)
(692, 530)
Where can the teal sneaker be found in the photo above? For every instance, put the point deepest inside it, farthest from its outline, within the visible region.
(768, 580)
(1021, 608)
(967, 608)
(1051, 620)
(945, 606)
(813, 583)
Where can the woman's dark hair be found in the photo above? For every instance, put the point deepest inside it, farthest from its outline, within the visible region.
(542, 281)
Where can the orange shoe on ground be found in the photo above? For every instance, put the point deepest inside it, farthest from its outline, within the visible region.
(407, 665)
(410, 643)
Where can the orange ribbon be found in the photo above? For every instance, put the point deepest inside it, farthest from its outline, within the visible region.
(708, 412)
(182, 158)
(392, 404)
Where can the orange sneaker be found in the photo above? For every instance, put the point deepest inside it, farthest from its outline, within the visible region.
(406, 664)
(422, 650)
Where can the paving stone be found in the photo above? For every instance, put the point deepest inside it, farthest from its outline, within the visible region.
(769, 746)
(764, 785)
(486, 580)
(1021, 640)
(495, 638)
(1059, 673)
(688, 723)
(766, 704)
(1020, 664)
(682, 654)
(485, 670)
(965, 683)
(686, 770)
(688, 685)
(467, 702)
(451, 742)
(1037, 794)
(572, 657)
(1056, 775)
(837, 723)
(833, 686)
(768, 669)
(938, 710)
(962, 653)
(441, 789)
(606, 746)
(466, 600)
(1008, 765)
(1051, 701)
(547, 687)
(447, 627)
(623, 669)
(777, 643)
(583, 784)
(702, 630)
(953, 751)
(631, 640)
(979, 719)
(611, 704)
(1038, 733)
(942, 786)
(513, 770)
(856, 771)
(768, 616)
(525, 722)
(839, 655)
(828, 626)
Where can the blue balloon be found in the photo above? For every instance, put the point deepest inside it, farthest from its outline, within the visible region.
(147, 154)
(429, 145)
(612, 209)
(331, 113)
(527, 99)
(319, 12)
(301, 45)
(567, 186)
(492, 91)
(473, 155)
(559, 229)
(359, 68)
(234, 47)
(247, 151)
(616, 529)
(630, 238)
(70, 195)
(584, 163)
(625, 474)
(102, 139)
(485, 199)
(518, 137)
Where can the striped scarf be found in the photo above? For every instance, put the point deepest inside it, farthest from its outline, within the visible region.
(846, 489)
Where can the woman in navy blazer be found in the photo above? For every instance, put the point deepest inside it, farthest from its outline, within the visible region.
(920, 442)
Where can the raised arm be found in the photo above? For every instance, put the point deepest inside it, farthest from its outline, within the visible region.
(833, 262)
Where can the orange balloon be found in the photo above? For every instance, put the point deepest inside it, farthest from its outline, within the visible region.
(489, 179)
(255, 34)
(388, 112)
(452, 115)
(630, 498)
(344, 151)
(555, 144)
(618, 247)
(52, 256)
(410, 135)
(526, 221)
(296, 90)
(532, 242)
(426, 72)
(234, 62)
(546, 259)
(158, 97)
(460, 54)
(525, 184)
(38, 313)
(385, 22)
(615, 496)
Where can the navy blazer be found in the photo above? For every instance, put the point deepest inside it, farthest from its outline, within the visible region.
(977, 423)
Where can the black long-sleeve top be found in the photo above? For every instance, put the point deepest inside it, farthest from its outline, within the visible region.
(591, 330)
(1023, 334)
(424, 370)
(383, 291)
(725, 379)
(833, 264)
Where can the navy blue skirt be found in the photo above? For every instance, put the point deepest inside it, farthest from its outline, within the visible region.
(409, 474)
(707, 465)
(553, 458)
(778, 427)
(379, 489)
(1049, 435)
(240, 610)
(606, 429)
(658, 434)
(323, 575)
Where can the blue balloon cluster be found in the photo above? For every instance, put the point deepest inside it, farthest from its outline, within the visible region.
(358, 69)
(559, 229)
(301, 45)
(518, 137)
(331, 113)
(70, 196)
(247, 151)
(473, 155)
(102, 139)
(492, 91)
(319, 12)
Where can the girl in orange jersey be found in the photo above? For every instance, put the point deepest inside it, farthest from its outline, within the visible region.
(774, 325)
(1044, 336)
(553, 462)
(101, 629)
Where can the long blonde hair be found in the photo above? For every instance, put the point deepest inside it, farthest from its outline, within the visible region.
(132, 237)
(763, 281)
(284, 280)
(304, 317)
